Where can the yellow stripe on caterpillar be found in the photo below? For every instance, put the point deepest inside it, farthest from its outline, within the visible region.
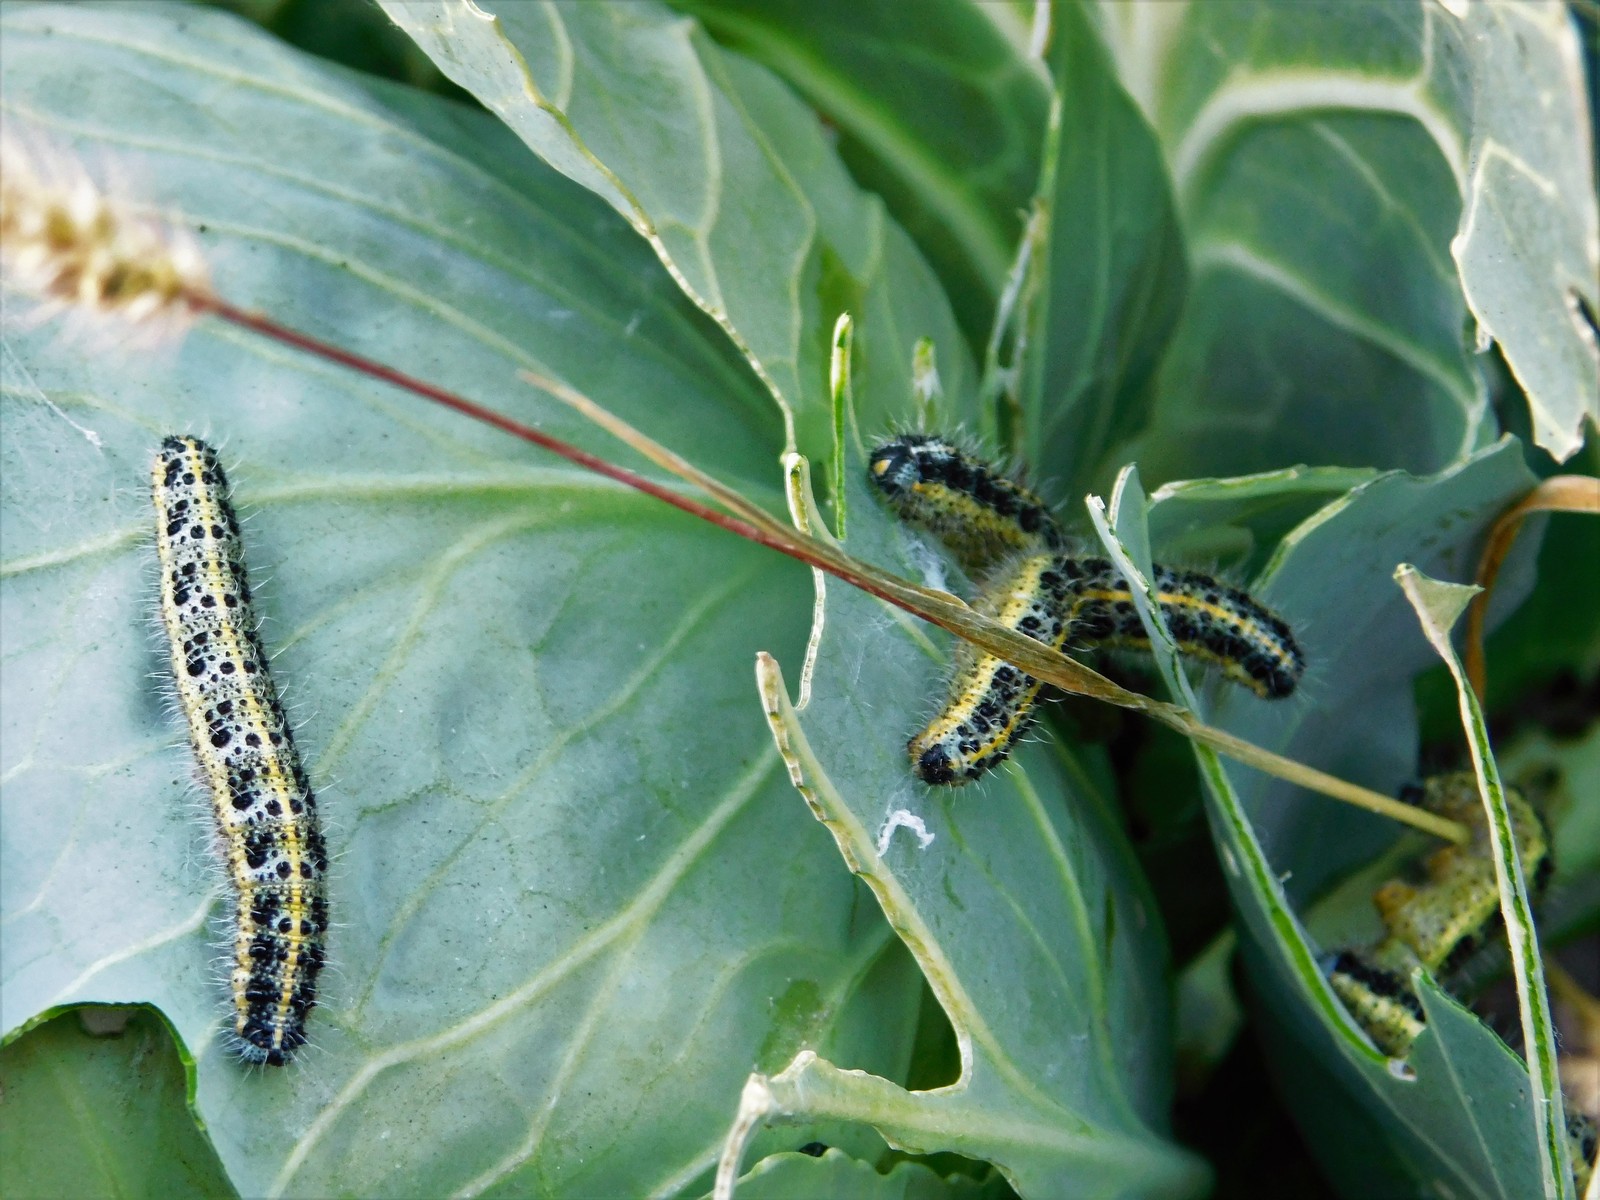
(1211, 622)
(262, 804)
(1055, 598)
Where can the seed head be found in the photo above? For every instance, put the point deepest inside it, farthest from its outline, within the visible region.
(72, 247)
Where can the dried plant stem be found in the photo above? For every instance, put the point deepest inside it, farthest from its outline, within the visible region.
(76, 248)
(1559, 493)
(755, 524)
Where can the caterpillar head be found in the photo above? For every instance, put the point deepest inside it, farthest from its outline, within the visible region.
(897, 466)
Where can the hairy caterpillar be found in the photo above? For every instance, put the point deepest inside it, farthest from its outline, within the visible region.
(1006, 538)
(262, 804)
(979, 515)
(1055, 599)
(1437, 924)
(991, 701)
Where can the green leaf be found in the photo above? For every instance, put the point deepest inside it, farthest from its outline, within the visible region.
(1565, 773)
(1464, 1122)
(575, 899)
(1526, 248)
(1059, 1005)
(729, 177)
(938, 110)
(1439, 606)
(1110, 270)
(1356, 717)
(801, 1177)
(1240, 521)
(94, 1106)
(1318, 153)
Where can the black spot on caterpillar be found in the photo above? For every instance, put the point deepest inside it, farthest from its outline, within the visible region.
(1006, 538)
(1583, 1140)
(264, 811)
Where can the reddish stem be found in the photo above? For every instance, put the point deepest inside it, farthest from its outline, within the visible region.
(267, 327)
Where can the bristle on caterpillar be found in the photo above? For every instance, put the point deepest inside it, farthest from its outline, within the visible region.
(1057, 599)
(264, 810)
(978, 514)
(1437, 924)
(1010, 544)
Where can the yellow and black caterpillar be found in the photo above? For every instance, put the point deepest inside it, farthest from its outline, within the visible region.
(981, 516)
(261, 801)
(1007, 540)
(1437, 924)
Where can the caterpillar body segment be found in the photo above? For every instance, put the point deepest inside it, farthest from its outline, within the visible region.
(1444, 920)
(1380, 998)
(1583, 1140)
(1211, 623)
(980, 516)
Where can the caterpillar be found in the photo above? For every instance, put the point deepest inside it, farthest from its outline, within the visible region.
(1055, 599)
(980, 515)
(1006, 538)
(1437, 924)
(261, 802)
(991, 701)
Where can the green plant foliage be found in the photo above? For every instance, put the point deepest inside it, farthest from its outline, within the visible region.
(557, 812)
(1068, 1106)
(1328, 163)
(94, 1106)
(609, 910)
(950, 135)
(728, 176)
(1423, 1131)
